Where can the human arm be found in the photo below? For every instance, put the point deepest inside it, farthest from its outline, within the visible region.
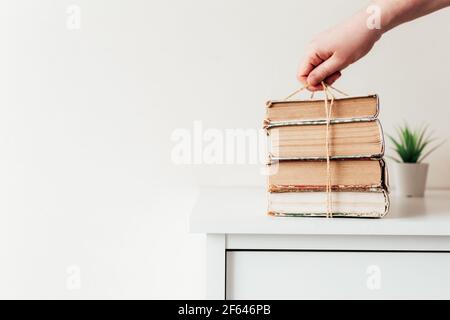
(337, 48)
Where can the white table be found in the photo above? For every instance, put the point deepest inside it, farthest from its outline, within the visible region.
(254, 256)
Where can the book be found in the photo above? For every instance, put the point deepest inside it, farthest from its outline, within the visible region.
(350, 175)
(314, 204)
(360, 139)
(312, 110)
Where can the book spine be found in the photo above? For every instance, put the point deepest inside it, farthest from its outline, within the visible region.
(374, 215)
(276, 124)
(273, 188)
(270, 103)
(387, 203)
(378, 156)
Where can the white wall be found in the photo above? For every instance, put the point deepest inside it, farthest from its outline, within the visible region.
(86, 118)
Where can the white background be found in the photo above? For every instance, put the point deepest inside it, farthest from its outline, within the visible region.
(86, 117)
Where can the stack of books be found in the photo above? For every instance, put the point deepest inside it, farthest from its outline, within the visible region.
(300, 165)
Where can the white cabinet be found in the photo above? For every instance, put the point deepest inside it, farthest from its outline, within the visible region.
(253, 256)
(337, 275)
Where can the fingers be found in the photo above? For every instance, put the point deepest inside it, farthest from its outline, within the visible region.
(311, 61)
(315, 69)
(330, 80)
(326, 70)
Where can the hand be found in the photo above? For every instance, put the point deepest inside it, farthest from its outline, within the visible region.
(334, 50)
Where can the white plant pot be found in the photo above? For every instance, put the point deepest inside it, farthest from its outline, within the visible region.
(410, 179)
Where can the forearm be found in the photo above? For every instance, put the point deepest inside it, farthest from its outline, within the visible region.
(396, 12)
(337, 48)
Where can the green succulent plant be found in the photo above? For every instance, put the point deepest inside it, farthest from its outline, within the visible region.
(413, 145)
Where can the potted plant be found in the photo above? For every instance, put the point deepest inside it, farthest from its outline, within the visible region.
(412, 147)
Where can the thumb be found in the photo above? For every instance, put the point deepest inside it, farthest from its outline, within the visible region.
(324, 70)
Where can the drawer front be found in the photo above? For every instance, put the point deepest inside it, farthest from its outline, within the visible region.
(337, 275)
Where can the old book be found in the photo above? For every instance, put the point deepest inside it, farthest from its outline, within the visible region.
(360, 139)
(348, 175)
(314, 204)
(299, 111)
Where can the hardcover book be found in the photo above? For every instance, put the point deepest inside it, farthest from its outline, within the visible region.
(310, 110)
(307, 141)
(344, 204)
(350, 175)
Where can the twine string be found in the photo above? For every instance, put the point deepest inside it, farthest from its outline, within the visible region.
(295, 92)
(328, 115)
(328, 112)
